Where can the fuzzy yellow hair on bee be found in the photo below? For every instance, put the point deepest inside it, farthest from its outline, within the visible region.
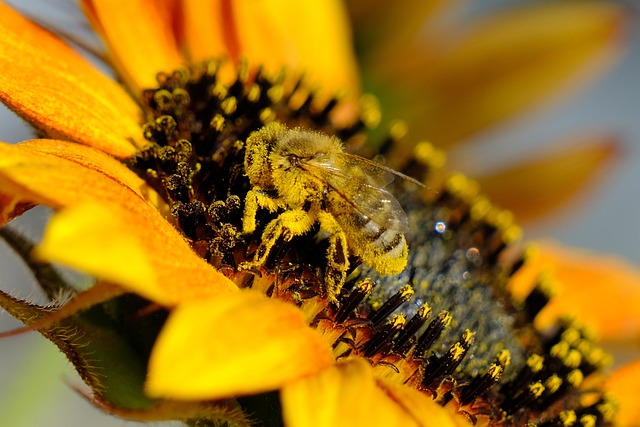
(309, 178)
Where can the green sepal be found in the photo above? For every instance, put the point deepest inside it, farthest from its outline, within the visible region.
(106, 362)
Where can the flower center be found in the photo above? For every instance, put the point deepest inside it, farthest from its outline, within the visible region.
(446, 325)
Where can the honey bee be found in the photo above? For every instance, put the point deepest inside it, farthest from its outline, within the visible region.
(310, 178)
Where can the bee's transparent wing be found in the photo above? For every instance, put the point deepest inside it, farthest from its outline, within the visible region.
(361, 184)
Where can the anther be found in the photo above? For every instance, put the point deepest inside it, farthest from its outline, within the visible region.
(381, 340)
(481, 384)
(432, 333)
(356, 296)
(403, 342)
(391, 304)
(445, 365)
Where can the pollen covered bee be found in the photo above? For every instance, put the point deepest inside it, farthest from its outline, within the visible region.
(308, 176)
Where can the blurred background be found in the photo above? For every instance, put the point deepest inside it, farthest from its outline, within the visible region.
(604, 215)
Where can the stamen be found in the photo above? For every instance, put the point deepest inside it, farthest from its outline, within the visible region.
(403, 342)
(481, 384)
(381, 340)
(391, 304)
(357, 295)
(432, 333)
(437, 368)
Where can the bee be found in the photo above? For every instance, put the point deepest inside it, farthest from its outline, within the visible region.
(310, 178)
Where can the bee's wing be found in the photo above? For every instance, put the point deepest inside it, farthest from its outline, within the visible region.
(360, 183)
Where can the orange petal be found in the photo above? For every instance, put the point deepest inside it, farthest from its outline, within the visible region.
(140, 37)
(58, 174)
(538, 186)
(57, 91)
(602, 291)
(345, 394)
(624, 385)
(506, 64)
(208, 29)
(69, 175)
(312, 37)
(235, 344)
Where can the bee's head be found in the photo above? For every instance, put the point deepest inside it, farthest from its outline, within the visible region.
(258, 149)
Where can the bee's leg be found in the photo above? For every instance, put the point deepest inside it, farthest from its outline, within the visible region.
(256, 199)
(337, 254)
(288, 225)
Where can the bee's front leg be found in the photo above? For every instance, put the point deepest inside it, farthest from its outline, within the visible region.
(337, 255)
(257, 199)
(287, 225)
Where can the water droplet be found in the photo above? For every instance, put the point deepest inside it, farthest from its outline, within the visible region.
(440, 227)
(473, 255)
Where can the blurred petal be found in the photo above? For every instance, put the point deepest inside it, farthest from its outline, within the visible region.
(57, 91)
(602, 291)
(385, 25)
(345, 394)
(208, 349)
(533, 189)
(140, 38)
(61, 178)
(624, 385)
(504, 65)
(209, 33)
(311, 37)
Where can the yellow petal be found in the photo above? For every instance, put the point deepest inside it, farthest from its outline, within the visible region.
(601, 290)
(344, 395)
(506, 64)
(423, 408)
(624, 385)
(312, 37)
(140, 38)
(538, 186)
(57, 91)
(72, 175)
(235, 344)
(90, 237)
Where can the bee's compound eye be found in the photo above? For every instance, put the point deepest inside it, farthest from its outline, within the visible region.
(294, 160)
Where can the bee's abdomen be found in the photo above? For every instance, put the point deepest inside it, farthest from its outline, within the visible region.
(381, 248)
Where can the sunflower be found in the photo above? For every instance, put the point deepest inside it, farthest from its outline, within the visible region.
(150, 193)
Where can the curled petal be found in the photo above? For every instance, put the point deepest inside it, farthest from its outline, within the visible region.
(89, 237)
(51, 86)
(235, 344)
(59, 175)
(111, 243)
